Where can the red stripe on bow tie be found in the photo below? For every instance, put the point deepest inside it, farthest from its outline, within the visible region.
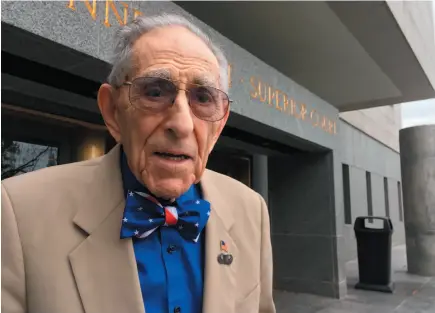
(171, 216)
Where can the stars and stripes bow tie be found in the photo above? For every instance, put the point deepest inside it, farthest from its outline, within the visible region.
(144, 214)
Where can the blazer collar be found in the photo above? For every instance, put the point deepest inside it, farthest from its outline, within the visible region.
(105, 192)
(103, 265)
(219, 280)
(220, 204)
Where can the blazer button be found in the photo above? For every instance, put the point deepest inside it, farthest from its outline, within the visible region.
(177, 309)
(171, 249)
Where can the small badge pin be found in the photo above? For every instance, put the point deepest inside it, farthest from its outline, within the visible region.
(224, 257)
(224, 247)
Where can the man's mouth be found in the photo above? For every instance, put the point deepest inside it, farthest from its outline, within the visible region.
(171, 156)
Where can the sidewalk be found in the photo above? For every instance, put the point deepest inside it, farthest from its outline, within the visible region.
(413, 294)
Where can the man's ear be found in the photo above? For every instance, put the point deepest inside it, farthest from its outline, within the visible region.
(219, 128)
(108, 108)
(222, 124)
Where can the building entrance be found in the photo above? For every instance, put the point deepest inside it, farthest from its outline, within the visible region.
(33, 140)
(231, 162)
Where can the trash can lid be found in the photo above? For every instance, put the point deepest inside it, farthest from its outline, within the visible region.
(360, 224)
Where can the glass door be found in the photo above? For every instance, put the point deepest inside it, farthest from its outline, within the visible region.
(33, 140)
(19, 157)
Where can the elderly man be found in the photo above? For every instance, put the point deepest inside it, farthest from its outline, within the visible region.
(145, 227)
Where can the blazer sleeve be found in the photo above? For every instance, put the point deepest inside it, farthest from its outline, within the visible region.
(13, 278)
(266, 288)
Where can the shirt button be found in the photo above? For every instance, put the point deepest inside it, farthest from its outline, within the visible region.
(177, 309)
(171, 248)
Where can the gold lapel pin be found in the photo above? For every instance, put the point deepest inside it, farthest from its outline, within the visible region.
(224, 257)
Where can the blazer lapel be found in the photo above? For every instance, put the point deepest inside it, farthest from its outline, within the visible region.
(104, 266)
(220, 279)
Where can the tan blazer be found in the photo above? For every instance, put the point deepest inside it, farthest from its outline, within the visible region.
(61, 251)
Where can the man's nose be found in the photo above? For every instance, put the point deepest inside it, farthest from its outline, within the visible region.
(180, 120)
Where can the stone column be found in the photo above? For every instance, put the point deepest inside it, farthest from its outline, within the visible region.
(417, 149)
(260, 175)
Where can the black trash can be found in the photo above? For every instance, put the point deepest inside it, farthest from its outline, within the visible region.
(374, 253)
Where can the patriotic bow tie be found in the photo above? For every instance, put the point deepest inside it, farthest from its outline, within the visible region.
(144, 214)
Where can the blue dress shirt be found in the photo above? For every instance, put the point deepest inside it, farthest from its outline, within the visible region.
(170, 268)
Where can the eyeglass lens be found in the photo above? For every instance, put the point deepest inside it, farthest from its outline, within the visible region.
(156, 94)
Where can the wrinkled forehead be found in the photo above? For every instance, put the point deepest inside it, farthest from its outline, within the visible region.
(177, 54)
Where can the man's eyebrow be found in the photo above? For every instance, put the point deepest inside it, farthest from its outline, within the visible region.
(162, 73)
(205, 81)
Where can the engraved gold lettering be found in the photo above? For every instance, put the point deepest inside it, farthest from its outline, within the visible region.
(303, 111)
(285, 102)
(71, 5)
(282, 102)
(330, 127)
(270, 94)
(277, 93)
(294, 108)
(314, 115)
(125, 5)
(92, 9)
(111, 5)
(324, 123)
(263, 95)
(254, 94)
(136, 13)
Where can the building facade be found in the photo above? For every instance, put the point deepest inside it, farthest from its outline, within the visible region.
(293, 135)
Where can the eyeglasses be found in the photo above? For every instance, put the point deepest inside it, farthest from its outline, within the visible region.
(155, 94)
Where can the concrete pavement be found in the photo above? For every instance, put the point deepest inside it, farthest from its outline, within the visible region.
(413, 294)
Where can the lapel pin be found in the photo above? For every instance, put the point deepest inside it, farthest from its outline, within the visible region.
(224, 247)
(224, 257)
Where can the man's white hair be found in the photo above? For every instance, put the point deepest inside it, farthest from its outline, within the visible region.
(127, 35)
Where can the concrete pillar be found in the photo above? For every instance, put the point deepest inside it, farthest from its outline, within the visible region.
(417, 149)
(260, 175)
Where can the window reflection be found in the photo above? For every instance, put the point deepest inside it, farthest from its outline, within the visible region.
(19, 157)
